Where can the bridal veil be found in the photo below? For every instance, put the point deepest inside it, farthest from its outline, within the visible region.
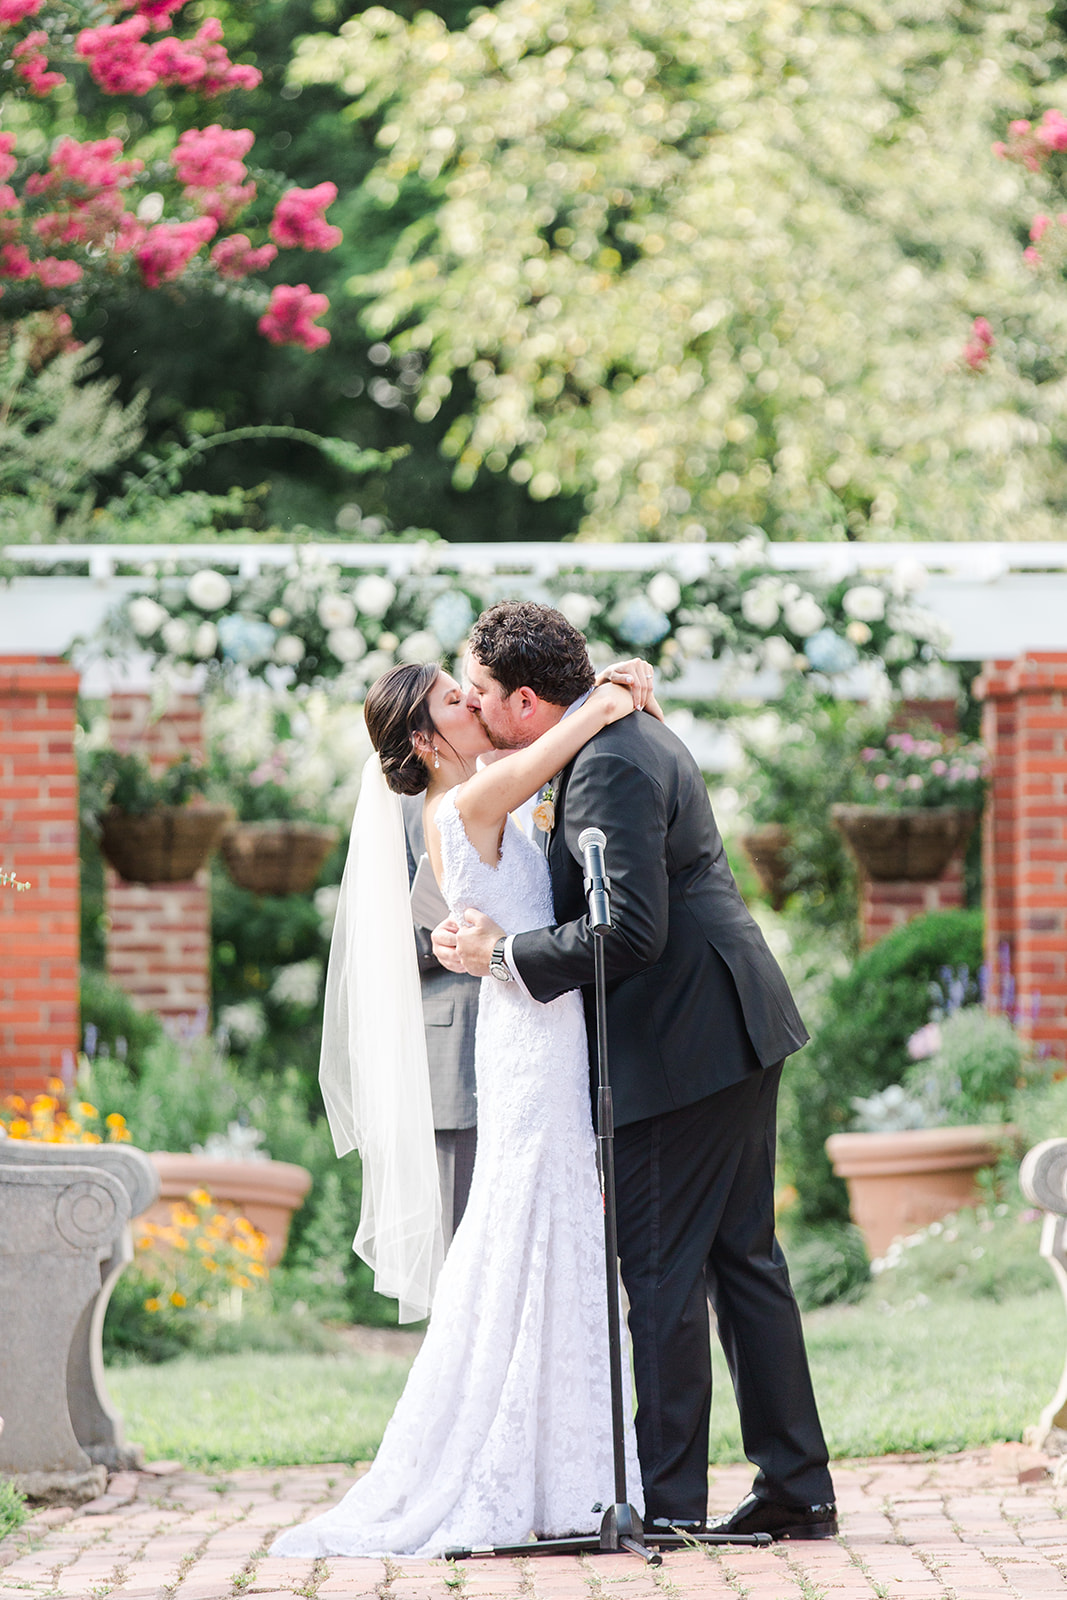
(373, 1069)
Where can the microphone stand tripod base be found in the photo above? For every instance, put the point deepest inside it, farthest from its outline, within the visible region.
(621, 1532)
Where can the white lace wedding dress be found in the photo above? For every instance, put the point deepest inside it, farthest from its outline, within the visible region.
(504, 1426)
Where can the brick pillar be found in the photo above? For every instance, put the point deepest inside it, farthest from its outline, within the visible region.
(39, 948)
(999, 830)
(1026, 704)
(889, 904)
(159, 935)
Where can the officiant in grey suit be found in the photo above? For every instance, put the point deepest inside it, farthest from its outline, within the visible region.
(450, 1010)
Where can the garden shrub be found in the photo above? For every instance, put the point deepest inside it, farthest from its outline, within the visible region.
(113, 1025)
(860, 1046)
(828, 1265)
(988, 1252)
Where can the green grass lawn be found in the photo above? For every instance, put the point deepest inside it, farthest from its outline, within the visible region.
(952, 1375)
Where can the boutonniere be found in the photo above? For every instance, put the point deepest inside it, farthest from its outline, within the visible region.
(544, 812)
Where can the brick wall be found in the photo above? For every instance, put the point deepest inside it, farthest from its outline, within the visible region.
(159, 935)
(39, 932)
(888, 905)
(1025, 729)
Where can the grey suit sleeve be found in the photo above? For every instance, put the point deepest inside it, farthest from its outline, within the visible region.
(606, 790)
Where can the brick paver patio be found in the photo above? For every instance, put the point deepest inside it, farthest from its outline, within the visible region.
(974, 1526)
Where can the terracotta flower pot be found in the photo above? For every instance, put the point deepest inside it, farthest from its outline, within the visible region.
(266, 1192)
(898, 1182)
(767, 848)
(167, 845)
(276, 857)
(915, 843)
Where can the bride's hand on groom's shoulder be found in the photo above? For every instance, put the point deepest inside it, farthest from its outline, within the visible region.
(638, 676)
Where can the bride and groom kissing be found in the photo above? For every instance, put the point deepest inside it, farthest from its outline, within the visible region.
(504, 1426)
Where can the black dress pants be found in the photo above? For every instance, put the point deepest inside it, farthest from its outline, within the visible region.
(696, 1222)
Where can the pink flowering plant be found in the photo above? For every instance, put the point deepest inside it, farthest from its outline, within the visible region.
(921, 767)
(1036, 147)
(78, 212)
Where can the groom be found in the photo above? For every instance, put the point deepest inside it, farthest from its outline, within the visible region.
(699, 1022)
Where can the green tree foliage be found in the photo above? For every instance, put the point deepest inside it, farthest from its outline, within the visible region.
(689, 267)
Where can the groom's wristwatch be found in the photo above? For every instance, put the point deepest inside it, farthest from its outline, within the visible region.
(497, 965)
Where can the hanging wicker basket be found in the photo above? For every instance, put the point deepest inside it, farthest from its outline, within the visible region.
(167, 845)
(916, 844)
(276, 857)
(767, 847)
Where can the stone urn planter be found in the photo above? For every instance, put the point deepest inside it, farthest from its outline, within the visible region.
(266, 1192)
(276, 857)
(914, 843)
(898, 1182)
(767, 847)
(166, 845)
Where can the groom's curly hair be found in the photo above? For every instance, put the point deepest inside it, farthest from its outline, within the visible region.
(526, 645)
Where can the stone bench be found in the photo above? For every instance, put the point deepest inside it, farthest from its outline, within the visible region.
(65, 1240)
(1043, 1179)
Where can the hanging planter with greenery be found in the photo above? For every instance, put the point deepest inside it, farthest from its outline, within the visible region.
(918, 795)
(150, 829)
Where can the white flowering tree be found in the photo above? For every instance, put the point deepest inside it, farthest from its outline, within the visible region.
(706, 265)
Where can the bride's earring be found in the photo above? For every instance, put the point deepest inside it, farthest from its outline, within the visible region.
(436, 757)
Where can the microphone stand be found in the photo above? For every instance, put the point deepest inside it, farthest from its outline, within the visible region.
(621, 1528)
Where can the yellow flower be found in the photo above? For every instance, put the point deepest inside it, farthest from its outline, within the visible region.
(257, 1269)
(199, 1197)
(57, 1087)
(19, 1129)
(86, 1110)
(177, 1298)
(211, 1266)
(153, 1304)
(241, 1282)
(115, 1120)
(15, 1102)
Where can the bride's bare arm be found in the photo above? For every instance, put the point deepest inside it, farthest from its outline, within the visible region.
(485, 799)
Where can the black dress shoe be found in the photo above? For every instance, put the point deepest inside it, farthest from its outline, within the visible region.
(755, 1515)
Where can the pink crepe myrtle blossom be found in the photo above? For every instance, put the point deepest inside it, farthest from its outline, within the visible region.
(234, 256)
(977, 350)
(12, 12)
(8, 163)
(15, 262)
(201, 63)
(54, 273)
(1030, 147)
(119, 61)
(299, 223)
(288, 318)
(209, 161)
(32, 65)
(89, 166)
(208, 158)
(167, 249)
(158, 12)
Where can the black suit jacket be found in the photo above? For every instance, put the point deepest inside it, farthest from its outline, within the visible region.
(696, 1001)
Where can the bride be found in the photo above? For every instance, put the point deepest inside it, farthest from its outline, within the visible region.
(504, 1426)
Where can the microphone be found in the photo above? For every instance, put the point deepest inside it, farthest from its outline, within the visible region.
(591, 842)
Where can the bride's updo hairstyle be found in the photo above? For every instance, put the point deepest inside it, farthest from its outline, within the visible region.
(396, 707)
